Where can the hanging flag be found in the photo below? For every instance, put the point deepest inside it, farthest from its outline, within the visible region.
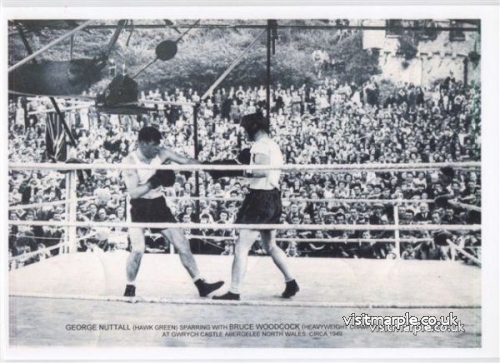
(55, 138)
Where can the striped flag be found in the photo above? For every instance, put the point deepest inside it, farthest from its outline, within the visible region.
(55, 138)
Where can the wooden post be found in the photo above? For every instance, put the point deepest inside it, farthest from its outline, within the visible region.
(71, 210)
(466, 70)
(268, 74)
(196, 109)
(396, 231)
(71, 177)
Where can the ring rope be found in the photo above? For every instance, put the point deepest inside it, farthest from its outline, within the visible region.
(465, 206)
(315, 227)
(171, 103)
(279, 303)
(336, 200)
(213, 244)
(45, 204)
(44, 238)
(324, 240)
(288, 167)
(90, 235)
(466, 254)
(37, 252)
(46, 249)
(290, 239)
(317, 200)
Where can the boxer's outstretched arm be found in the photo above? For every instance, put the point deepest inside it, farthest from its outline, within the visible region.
(166, 155)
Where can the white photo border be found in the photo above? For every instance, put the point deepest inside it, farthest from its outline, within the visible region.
(490, 166)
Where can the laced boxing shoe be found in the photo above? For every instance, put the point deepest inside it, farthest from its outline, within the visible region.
(227, 296)
(205, 288)
(129, 291)
(291, 289)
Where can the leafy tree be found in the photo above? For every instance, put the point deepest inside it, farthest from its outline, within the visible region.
(204, 54)
(360, 64)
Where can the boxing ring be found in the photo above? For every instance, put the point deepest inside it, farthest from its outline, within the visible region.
(77, 289)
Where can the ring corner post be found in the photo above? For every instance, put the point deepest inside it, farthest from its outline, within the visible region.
(196, 109)
(396, 231)
(268, 70)
(71, 244)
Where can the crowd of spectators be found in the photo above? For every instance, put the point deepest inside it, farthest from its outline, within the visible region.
(327, 124)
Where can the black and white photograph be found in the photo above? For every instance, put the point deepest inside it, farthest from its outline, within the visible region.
(206, 182)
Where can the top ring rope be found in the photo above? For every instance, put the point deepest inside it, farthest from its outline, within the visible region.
(287, 167)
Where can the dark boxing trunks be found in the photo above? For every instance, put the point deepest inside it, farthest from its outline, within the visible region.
(151, 211)
(260, 207)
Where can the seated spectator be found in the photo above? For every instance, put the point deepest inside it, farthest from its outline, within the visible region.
(367, 130)
(102, 215)
(423, 215)
(291, 250)
(294, 212)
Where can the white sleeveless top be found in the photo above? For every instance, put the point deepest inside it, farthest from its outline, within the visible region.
(270, 148)
(145, 174)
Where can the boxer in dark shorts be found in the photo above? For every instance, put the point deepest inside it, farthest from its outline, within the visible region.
(261, 206)
(151, 211)
(144, 187)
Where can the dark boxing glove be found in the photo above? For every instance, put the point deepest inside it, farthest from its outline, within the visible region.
(216, 174)
(443, 201)
(164, 178)
(441, 237)
(448, 172)
(245, 156)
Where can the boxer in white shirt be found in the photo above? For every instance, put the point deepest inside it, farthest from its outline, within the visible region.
(261, 206)
(149, 205)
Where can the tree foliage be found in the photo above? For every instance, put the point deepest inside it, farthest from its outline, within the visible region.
(360, 64)
(204, 54)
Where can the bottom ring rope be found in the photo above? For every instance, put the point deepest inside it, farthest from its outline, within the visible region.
(366, 227)
(282, 303)
(45, 250)
(389, 302)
